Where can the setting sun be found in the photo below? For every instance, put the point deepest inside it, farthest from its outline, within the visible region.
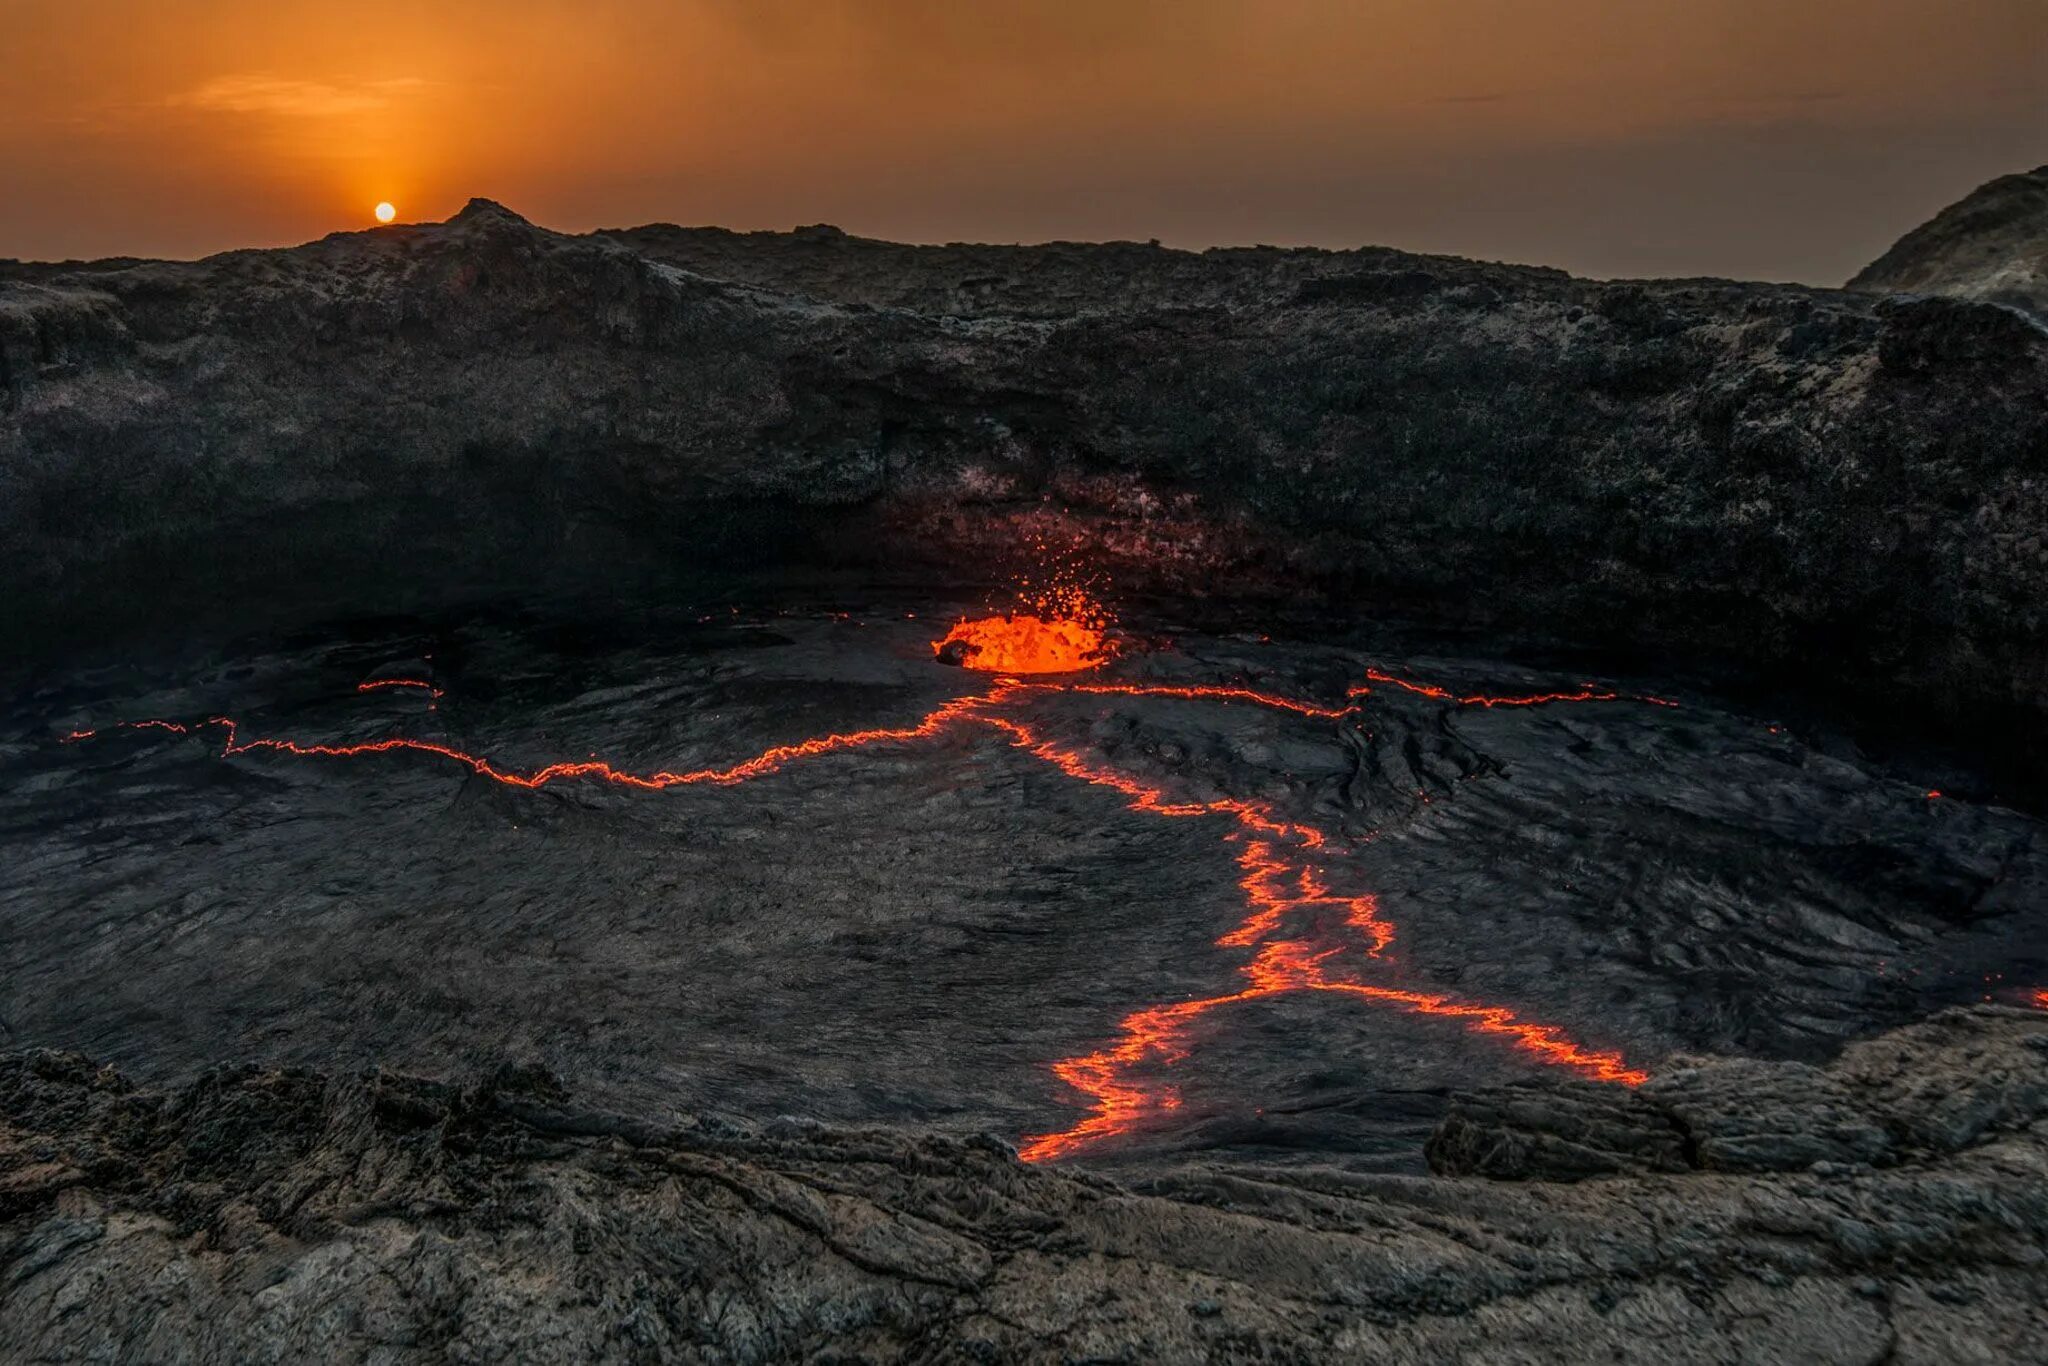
(385, 213)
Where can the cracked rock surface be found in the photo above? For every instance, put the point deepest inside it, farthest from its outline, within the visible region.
(913, 933)
(264, 1214)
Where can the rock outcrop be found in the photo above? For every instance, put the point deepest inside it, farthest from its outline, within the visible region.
(1991, 245)
(267, 1215)
(1927, 1089)
(1822, 483)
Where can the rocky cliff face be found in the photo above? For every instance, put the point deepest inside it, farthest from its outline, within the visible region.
(1991, 245)
(1769, 476)
(1893, 1207)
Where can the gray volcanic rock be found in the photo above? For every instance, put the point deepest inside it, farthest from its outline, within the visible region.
(1991, 245)
(485, 416)
(285, 1214)
(1556, 1133)
(1928, 1088)
(1743, 1116)
(1767, 476)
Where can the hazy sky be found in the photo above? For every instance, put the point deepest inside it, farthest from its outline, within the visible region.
(1782, 139)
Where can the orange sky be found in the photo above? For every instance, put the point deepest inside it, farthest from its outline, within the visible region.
(1764, 138)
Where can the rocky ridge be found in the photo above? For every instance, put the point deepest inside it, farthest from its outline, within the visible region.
(1819, 483)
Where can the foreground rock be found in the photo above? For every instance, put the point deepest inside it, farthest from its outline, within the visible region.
(1917, 1092)
(286, 1215)
(1845, 488)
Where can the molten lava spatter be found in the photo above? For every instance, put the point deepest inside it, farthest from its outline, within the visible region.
(1061, 628)
(1023, 645)
(1293, 920)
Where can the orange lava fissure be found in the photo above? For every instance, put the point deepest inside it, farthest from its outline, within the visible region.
(1589, 693)
(378, 684)
(1296, 925)
(1280, 888)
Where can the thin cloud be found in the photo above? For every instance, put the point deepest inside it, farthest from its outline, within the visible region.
(253, 94)
(1772, 97)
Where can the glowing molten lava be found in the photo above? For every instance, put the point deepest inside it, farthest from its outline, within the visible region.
(1024, 645)
(1201, 692)
(768, 761)
(1589, 693)
(1060, 628)
(379, 684)
(1281, 888)
(1294, 924)
(1158, 1034)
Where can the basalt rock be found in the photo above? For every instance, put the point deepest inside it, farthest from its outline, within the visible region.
(1842, 487)
(1991, 245)
(1918, 1093)
(288, 1214)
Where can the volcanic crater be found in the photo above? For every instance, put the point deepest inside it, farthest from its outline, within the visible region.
(1228, 896)
(659, 738)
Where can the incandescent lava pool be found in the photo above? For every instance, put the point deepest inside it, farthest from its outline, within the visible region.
(1228, 897)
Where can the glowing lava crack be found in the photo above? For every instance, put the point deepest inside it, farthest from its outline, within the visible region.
(1298, 928)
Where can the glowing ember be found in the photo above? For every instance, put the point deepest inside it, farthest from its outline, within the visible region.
(1060, 626)
(1024, 645)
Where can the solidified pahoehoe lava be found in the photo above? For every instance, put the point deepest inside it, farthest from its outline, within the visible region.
(1303, 931)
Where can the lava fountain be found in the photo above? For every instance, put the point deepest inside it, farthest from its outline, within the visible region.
(1064, 630)
(1023, 645)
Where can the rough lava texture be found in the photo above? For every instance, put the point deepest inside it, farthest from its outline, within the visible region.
(397, 455)
(288, 1215)
(1991, 245)
(1762, 476)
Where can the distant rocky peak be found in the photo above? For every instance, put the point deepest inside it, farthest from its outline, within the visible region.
(1991, 245)
(480, 209)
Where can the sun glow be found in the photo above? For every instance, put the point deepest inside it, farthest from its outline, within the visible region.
(386, 212)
